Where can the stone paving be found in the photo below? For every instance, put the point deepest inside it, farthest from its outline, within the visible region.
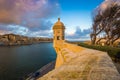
(82, 64)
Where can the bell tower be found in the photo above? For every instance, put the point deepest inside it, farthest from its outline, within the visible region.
(58, 33)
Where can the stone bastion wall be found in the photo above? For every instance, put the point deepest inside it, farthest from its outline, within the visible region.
(77, 63)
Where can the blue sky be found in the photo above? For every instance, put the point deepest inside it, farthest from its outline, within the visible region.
(77, 13)
(36, 17)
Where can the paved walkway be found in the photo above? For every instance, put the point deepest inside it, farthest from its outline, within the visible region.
(86, 64)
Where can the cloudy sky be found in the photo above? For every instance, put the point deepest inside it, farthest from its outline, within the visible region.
(36, 17)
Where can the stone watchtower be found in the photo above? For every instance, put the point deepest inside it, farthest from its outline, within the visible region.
(58, 33)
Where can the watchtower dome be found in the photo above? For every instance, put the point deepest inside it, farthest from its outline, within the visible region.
(58, 33)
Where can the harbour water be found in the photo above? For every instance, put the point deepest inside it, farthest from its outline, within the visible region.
(17, 62)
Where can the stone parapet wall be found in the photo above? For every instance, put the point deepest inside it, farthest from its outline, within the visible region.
(66, 52)
(78, 63)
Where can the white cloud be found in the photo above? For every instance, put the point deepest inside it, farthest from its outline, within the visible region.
(79, 35)
(27, 17)
(17, 29)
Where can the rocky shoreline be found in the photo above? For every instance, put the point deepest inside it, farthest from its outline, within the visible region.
(15, 40)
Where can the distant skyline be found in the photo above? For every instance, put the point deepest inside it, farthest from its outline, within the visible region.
(36, 17)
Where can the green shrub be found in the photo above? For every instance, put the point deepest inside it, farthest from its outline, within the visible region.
(112, 51)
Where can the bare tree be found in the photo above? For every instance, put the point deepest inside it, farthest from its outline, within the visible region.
(107, 22)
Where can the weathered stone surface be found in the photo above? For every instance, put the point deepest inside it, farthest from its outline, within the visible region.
(78, 63)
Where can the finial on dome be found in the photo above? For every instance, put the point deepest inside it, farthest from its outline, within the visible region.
(58, 19)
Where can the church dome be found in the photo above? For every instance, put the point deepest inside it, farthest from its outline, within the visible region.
(58, 25)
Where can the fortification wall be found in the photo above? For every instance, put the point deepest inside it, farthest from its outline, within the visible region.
(66, 52)
(78, 63)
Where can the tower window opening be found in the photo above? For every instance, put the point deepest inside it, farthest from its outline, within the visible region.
(58, 37)
(62, 37)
